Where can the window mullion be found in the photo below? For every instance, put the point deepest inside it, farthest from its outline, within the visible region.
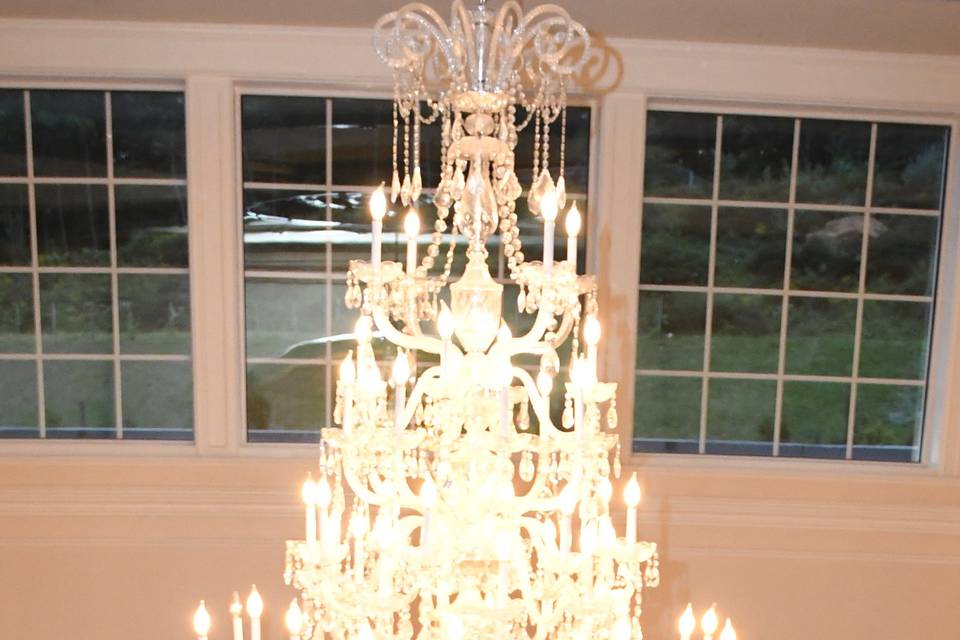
(785, 307)
(711, 279)
(215, 264)
(861, 290)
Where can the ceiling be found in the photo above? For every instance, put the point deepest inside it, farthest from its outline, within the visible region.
(915, 26)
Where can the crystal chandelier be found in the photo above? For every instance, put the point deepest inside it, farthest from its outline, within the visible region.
(443, 508)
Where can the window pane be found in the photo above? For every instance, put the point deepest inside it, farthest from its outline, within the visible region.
(286, 230)
(902, 254)
(69, 133)
(157, 400)
(740, 417)
(751, 248)
(826, 251)
(151, 226)
(814, 419)
(746, 333)
(76, 313)
(910, 166)
(78, 399)
(285, 402)
(820, 336)
(679, 155)
(148, 134)
(676, 245)
(895, 340)
(14, 225)
(833, 162)
(16, 313)
(154, 313)
(18, 402)
(363, 143)
(671, 327)
(73, 225)
(285, 318)
(13, 139)
(284, 139)
(756, 156)
(889, 423)
(667, 426)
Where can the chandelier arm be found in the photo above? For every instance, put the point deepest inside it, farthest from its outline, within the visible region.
(540, 406)
(535, 30)
(460, 16)
(563, 332)
(389, 41)
(418, 390)
(397, 337)
(528, 341)
(509, 16)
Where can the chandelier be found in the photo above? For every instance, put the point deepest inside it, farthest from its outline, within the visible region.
(450, 504)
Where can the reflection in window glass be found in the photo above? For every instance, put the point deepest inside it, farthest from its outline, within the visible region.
(95, 332)
(304, 221)
(807, 324)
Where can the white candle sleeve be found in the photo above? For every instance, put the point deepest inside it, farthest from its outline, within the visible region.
(375, 246)
(572, 251)
(548, 226)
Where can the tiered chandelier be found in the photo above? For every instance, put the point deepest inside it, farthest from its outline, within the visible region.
(461, 520)
(443, 509)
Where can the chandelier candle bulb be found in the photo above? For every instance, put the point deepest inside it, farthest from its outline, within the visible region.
(548, 209)
(236, 612)
(254, 610)
(573, 223)
(378, 208)
(411, 227)
(709, 622)
(728, 632)
(309, 495)
(294, 620)
(688, 623)
(201, 621)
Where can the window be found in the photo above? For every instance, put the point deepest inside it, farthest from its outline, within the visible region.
(308, 166)
(94, 288)
(787, 277)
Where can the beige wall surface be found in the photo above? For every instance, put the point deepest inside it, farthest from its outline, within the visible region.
(119, 540)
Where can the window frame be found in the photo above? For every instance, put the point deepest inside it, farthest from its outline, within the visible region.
(785, 293)
(241, 89)
(936, 456)
(111, 269)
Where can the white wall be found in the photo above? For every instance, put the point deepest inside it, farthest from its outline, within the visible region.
(118, 540)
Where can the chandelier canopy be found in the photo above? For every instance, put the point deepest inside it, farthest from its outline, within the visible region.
(450, 504)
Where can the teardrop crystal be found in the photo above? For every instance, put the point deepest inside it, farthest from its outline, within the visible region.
(416, 185)
(395, 187)
(561, 193)
(405, 191)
